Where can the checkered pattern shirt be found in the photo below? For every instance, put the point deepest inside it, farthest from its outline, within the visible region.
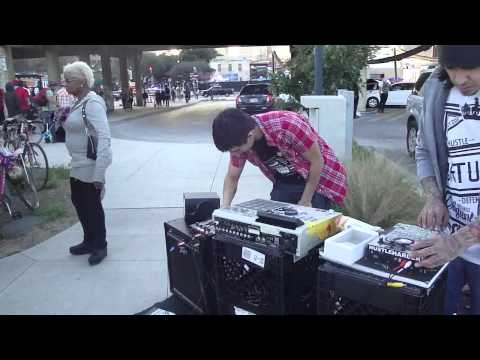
(292, 134)
(64, 99)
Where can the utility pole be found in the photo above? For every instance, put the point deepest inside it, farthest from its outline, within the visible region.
(318, 70)
(273, 62)
(395, 62)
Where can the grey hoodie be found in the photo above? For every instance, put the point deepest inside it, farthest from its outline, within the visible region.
(85, 169)
(431, 152)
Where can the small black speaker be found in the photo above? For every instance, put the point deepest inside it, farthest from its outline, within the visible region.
(200, 206)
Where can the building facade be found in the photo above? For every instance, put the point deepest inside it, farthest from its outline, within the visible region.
(230, 69)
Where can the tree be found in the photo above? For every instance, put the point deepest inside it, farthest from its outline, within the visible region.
(182, 70)
(198, 54)
(341, 69)
(161, 64)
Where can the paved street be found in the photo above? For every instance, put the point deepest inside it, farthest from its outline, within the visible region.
(386, 133)
(187, 125)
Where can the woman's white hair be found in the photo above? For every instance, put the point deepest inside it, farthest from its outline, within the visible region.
(81, 70)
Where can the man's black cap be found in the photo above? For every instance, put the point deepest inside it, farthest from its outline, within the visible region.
(461, 56)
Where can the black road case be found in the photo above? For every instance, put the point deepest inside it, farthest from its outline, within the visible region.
(342, 290)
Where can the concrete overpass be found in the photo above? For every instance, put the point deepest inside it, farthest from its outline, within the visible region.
(51, 53)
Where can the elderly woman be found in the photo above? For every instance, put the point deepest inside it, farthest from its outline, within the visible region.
(87, 177)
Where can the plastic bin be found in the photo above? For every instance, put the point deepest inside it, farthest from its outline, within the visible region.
(276, 286)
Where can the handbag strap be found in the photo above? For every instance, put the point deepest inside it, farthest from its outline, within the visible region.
(84, 117)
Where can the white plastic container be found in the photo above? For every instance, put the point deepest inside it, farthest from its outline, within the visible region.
(349, 245)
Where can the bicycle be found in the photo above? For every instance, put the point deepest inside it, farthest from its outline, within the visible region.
(15, 174)
(33, 154)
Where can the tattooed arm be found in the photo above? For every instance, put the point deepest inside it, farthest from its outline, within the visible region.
(434, 214)
(442, 248)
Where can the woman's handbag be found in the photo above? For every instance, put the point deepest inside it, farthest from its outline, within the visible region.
(91, 141)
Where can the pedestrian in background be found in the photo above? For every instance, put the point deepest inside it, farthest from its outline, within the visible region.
(145, 97)
(12, 102)
(187, 93)
(2, 106)
(356, 96)
(384, 88)
(172, 94)
(23, 97)
(88, 117)
(167, 96)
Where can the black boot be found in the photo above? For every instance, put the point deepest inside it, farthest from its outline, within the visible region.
(97, 256)
(81, 249)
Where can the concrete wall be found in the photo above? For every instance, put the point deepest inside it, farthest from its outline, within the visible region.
(331, 118)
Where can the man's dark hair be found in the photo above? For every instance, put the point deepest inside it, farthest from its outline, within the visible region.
(230, 128)
(382, 76)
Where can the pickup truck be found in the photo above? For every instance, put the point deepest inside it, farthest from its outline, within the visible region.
(216, 91)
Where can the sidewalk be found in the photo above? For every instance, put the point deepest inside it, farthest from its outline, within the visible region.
(145, 187)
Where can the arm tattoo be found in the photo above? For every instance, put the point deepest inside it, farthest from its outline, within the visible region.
(468, 235)
(430, 188)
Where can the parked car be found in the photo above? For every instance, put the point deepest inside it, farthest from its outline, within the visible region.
(414, 111)
(255, 98)
(397, 95)
(217, 90)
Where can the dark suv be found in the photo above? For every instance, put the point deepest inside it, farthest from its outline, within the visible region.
(255, 98)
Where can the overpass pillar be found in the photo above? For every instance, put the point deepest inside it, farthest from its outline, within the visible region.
(107, 79)
(84, 56)
(7, 70)
(137, 75)
(53, 64)
(124, 80)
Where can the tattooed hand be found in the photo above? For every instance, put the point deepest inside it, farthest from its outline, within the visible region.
(434, 214)
(442, 248)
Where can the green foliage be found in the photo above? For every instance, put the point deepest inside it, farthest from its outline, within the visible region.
(199, 54)
(290, 105)
(182, 70)
(53, 210)
(379, 193)
(178, 67)
(57, 176)
(341, 69)
(161, 64)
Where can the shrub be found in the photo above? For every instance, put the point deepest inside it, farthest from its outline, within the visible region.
(290, 105)
(379, 193)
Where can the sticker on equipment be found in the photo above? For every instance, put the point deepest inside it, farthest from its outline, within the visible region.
(240, 311)
(253, 256)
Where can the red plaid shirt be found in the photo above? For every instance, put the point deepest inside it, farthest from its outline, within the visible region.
(292, 134)
(64, 99)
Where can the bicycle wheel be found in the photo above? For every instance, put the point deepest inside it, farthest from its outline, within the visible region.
(24, 186)
(35, 131)
(36, 160)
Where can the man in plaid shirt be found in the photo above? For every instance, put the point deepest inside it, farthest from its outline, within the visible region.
(303, 168)
(64, 99)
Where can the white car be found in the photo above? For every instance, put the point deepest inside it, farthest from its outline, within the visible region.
(397, 95)
(415, 111)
